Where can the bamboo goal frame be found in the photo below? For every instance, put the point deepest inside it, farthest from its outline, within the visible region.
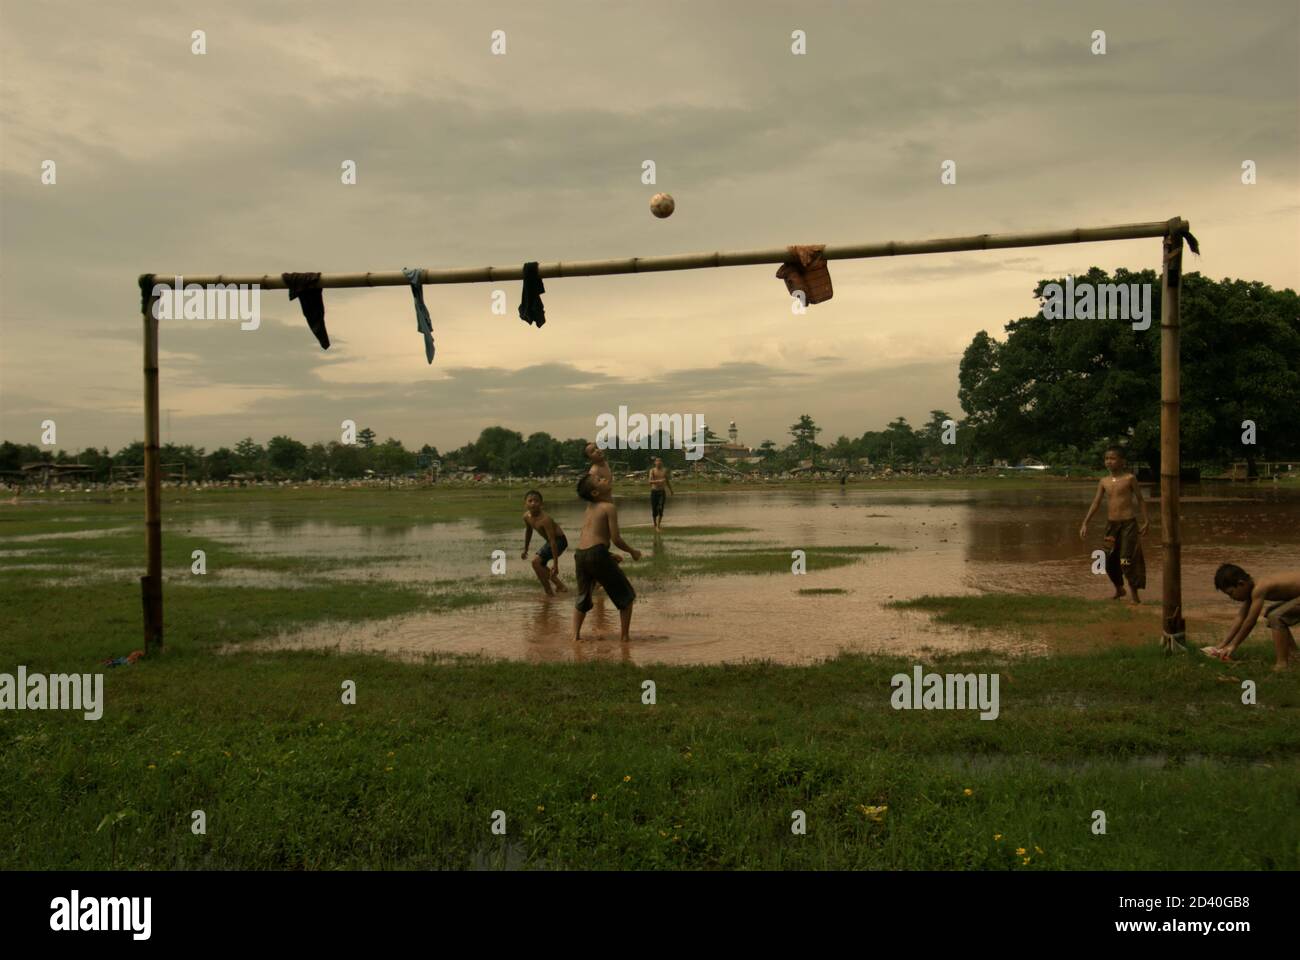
(1172, 232)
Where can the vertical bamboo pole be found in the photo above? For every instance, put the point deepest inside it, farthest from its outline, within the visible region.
(1170, 460)
(151, 582)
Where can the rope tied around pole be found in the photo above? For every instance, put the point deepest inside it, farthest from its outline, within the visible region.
(1167, 641)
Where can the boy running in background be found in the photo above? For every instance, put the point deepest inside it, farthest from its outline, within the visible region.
(659, 478)
(535, 518)
(1124, 560)
(593, 561)
(1283, 588)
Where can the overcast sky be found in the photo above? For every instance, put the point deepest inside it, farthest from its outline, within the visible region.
(171, 162)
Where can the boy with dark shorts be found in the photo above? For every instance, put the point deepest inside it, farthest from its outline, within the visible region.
(659, 478)
(535, 518)
(592, 560)
(1283, 589)
(1124, 560)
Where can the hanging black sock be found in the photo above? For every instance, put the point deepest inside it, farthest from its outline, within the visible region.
(531, 309)
(304, 287)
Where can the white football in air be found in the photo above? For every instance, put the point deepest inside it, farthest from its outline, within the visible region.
(662, 205)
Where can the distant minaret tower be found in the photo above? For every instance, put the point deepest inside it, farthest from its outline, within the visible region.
(731, 433)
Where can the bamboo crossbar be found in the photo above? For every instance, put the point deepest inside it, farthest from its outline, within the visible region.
(696, 261)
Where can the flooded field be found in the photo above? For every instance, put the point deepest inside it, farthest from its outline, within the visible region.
(943, 542)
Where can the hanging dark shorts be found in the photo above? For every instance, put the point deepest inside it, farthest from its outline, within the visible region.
(1124, 560)
(657, 498)
(545, 554)
(595, 565)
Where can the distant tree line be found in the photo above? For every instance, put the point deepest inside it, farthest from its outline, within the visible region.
(498, 450)
(281, 458)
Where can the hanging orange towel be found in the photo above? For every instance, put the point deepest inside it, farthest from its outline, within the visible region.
(806, 270)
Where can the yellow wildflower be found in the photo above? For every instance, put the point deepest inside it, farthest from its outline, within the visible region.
(1020, 851)
(969, 792)
(997, 836)
(626, 779)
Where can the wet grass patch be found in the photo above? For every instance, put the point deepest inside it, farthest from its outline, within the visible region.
(757, 561)
(1002, 611)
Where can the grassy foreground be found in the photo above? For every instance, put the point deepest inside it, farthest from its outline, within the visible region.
(589, 776)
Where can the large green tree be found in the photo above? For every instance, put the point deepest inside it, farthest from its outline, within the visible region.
(498, 450)
(287, 455)
(390, 458)
(1057, 385)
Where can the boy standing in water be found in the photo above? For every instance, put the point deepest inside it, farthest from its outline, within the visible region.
(1281, 588)
(659, 478)
(536, 519)
(592, 560)
(1124, 560)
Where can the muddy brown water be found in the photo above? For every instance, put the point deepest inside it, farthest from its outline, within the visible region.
(948, 542)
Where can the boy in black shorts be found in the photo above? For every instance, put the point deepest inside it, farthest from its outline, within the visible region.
(535, 518)
(659, 478)
(592, 560)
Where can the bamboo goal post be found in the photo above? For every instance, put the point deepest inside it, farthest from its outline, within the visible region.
(1172, 231)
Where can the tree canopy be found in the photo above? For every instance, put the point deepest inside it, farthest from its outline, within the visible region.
(1062, 388)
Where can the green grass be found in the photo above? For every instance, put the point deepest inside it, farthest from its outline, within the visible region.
(994, 611)
(749, 562)
(409, 777)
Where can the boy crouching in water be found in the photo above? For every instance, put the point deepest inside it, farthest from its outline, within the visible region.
(1281, 588)
(535, 518)
(594, 563)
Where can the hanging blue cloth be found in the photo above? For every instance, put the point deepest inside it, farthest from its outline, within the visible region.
(422, 321)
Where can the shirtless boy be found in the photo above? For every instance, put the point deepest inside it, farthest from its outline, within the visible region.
(1124, 559)
(659, 478)
(535, 518)
(592, 560)
(1282, 588)
(599, 465)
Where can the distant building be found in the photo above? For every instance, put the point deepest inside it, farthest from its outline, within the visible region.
(731, 451)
